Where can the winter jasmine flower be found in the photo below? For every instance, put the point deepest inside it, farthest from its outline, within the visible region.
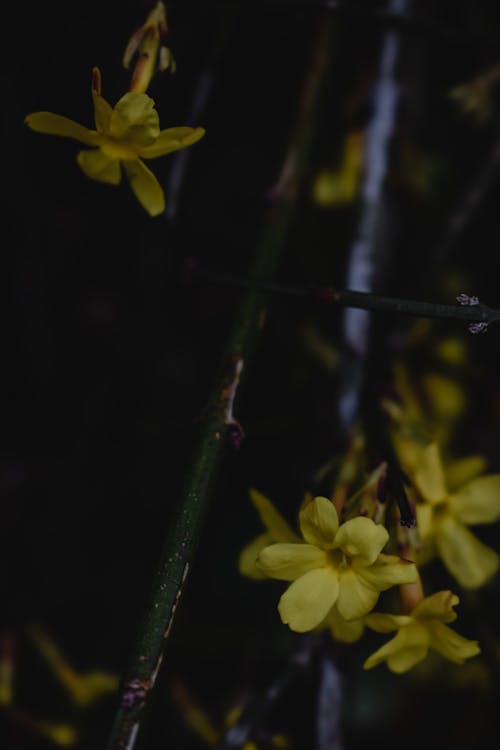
(425, 628)
(443, 516)
(338, 571)
(124, 135)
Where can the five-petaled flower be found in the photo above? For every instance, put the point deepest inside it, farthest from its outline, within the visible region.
(423, 629)
(124, 135)
(443, 517)
(337, 572)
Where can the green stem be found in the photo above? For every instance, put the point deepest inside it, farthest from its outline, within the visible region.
(180, 545)
(469, 310)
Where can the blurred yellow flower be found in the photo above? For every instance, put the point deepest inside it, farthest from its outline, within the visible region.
(277, 530)
(443, 515)
(340, 186)
(83, 688)
(337, 567)
(423, 629)
(124, 136)
(477, 95)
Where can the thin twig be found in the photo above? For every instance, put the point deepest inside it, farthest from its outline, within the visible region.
(181, 542)
(469, 310)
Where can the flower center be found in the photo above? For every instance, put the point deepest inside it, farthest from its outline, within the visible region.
(337, 559)
(117, 149)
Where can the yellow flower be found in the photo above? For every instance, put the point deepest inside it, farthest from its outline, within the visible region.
(337, 567)
(423, 629)
(124, 136)
(443, 516)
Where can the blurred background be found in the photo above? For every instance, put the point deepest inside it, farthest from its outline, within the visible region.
(109, 354)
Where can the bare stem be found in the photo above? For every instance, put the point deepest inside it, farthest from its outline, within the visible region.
(219, 422)
(469, 310)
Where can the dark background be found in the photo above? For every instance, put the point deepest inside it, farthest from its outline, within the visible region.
(109, 356)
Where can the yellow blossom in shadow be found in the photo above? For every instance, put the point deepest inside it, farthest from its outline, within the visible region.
(84, 689)
(425, 628)
(124, 135)
(443, 515)
(340, 186)
(477, 95)
(337, 566)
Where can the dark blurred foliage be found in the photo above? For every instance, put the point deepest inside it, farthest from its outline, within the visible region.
(108, 356)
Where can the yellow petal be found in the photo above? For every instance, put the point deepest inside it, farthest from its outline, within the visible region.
(429, 475)
(247, 563)
(425, 520)
(446, 397)
(318, 521)
(308, 600)
(98, 166)
(386, 623)
(146, 187)
(402, 652)
(286, 562)
(170, 140)
(343, 630)
(451, 645)
(276, 525)
(462, 470)
(469, 560)
(102, 113)
(478, 501)
(361, 537)
(51, 124)
(356, 596)
(135, 120)
(439, 606)
(387, 571)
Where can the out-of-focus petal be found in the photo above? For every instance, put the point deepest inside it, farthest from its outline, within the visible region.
(247, 562)
(98, 166)
(102, 113)
(146, 187)
(308, 600)
(386, 623)
(318, 521)
(462, 470)
(425, 519)
(478, 501)
(451, 645)
(290, 561)
(51, 124)
(171, 139)
(438, 606)
(278, 528)
(362, 537)
(469, 560)
(429, 474)
(402, 652)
